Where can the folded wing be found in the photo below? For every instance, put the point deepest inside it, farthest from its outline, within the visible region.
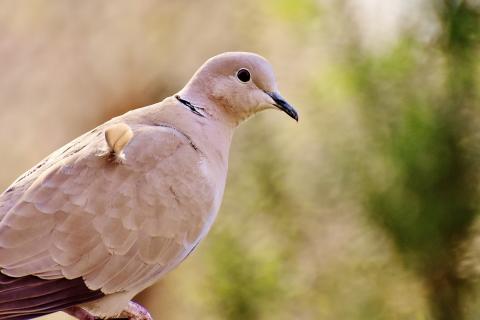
(115, 226)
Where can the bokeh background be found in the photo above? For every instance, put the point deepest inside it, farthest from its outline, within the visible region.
(365, 209)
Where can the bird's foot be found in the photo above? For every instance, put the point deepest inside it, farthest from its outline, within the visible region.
(134, 311)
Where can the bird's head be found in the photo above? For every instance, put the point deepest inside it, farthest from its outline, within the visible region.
(241, 84)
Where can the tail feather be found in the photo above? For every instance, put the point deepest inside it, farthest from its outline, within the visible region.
(29, 297)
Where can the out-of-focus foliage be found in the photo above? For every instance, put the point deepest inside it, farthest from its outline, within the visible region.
(365, 209)
(427, 201)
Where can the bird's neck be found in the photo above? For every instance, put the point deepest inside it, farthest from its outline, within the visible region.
(211, 133)
(213, 107)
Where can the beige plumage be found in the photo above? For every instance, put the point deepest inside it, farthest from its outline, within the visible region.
(121, 225)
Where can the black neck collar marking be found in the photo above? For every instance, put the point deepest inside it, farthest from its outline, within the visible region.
(190, 106)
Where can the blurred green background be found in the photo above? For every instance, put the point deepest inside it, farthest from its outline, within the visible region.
(365, 209)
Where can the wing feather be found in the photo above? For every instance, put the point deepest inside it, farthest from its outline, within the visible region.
(116, 225)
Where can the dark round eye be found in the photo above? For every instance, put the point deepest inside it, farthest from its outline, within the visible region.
(243, 75)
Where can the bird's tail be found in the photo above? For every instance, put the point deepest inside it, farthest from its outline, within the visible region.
(30, 297)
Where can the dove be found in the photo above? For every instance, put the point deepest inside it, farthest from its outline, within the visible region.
(113, 211)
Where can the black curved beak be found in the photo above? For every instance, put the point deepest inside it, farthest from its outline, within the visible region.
(283, 105)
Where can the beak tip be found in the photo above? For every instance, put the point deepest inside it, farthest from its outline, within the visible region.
(283, 105)
(292, 113)
(295, 116)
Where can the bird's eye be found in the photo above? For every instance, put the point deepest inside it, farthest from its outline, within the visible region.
(243, 75)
